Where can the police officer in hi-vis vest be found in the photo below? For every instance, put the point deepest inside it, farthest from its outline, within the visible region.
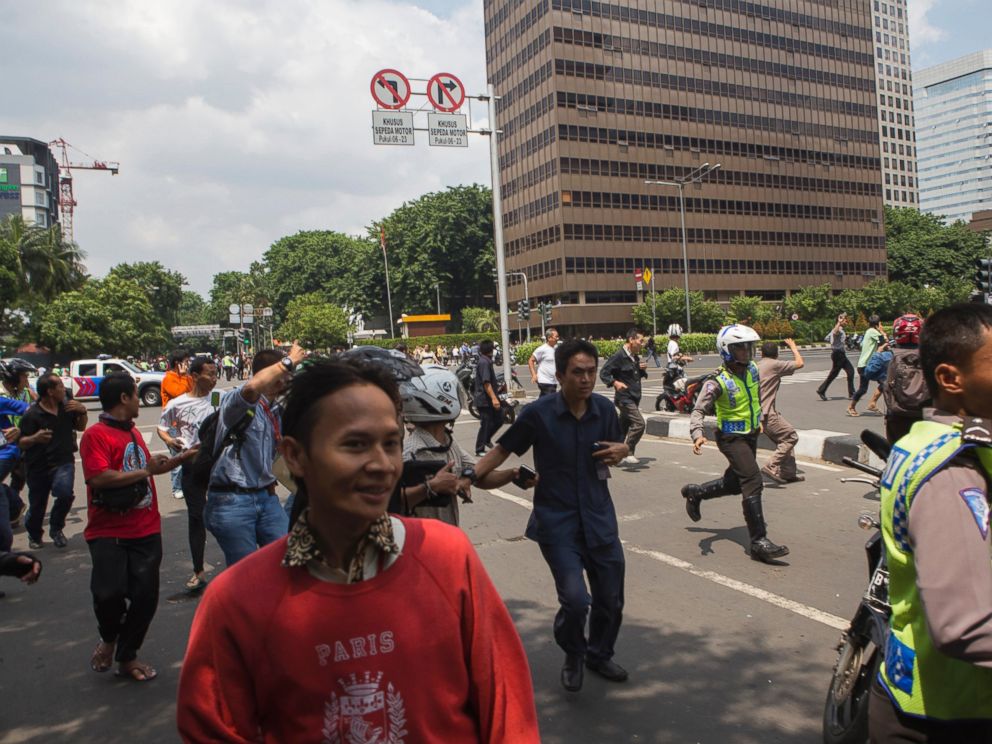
(735, 398)
(935, 683)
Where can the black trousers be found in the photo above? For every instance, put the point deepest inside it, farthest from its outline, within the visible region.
(605, 567)
(743, 474)
(839, 361)
(196, 498)
(547, 389)
(888, 725)
(490, 419)
(124, 584)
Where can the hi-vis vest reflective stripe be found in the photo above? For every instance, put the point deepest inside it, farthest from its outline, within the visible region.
(921, 680)
(738, 409)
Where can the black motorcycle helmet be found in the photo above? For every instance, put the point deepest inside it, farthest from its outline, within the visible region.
(12, 369)
(402, 367)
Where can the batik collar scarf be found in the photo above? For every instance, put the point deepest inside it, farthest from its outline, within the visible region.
(301, 546)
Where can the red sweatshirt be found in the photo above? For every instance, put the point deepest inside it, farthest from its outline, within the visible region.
(424, 652)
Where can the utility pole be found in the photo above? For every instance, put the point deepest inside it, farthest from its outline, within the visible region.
(504, 315)
(389, 294)
(694, 176)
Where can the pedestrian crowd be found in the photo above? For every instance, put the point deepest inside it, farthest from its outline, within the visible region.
(358, 611)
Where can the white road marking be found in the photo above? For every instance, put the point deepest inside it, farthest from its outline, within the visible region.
(810, 613)
(511, 498)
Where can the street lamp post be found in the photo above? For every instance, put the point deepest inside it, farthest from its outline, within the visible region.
(694, 176)
(438, 288)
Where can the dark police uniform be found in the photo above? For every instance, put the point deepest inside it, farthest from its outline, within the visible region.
(573, 519)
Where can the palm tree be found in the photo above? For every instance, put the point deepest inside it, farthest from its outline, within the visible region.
(47, 265)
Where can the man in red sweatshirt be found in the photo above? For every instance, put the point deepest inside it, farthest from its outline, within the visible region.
(357, 626)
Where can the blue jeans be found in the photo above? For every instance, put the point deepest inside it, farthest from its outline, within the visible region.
(42, 482)
(244, 522)
(176, 474)
(14, 501)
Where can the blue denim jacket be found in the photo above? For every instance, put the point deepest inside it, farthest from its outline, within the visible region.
(251, 467)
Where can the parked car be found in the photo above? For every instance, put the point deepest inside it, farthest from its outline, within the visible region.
(85, 375)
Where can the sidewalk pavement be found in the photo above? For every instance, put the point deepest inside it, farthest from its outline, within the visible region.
(819, 444)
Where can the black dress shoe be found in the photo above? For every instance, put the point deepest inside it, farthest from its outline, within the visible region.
(608, 669)
(821, 394)
(571, 673)
(766, 551)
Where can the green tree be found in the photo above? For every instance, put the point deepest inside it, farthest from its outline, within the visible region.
(44, 263)
(479, 320)
(443, 238)
(110, 316)
(707, 316)
(162, 286)
(742, 307)
(238, 288)
(344, 270)
(811, 302)
(314, 322)
(192, 309)
(922, 250)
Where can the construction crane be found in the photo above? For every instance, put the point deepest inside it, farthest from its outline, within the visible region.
(67, 202)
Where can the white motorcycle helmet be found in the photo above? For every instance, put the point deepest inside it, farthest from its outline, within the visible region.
(431, 397)
(674, 330)
(734, 335)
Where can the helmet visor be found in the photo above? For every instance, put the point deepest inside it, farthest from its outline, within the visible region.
(742, 352)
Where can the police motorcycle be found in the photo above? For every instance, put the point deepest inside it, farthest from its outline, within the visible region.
(862, 645)
(466, 376)
(678, 392)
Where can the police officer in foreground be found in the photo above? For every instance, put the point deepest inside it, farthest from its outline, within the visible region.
(935, 684)
(735, 397)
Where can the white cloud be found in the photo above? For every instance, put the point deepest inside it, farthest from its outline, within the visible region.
(922, 30)
(234, 123)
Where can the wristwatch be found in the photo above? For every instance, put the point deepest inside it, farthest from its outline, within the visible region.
(469, 472)
(287, 363)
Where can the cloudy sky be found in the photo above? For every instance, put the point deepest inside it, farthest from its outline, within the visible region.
(236, 122)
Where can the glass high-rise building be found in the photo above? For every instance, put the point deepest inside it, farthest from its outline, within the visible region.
(895, 103)
(597, 97)
(954, 136)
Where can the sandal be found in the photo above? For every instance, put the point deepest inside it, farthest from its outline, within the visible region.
(874, 409)
(103, 657)
(196, 584)
(852, 412)
(136, 671)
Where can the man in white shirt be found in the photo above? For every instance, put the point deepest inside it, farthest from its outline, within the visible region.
(674, 353)
(542, 364)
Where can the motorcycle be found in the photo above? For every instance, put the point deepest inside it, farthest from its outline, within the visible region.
(679, 392)
(466, 376)
(861, 650)
(853, 342)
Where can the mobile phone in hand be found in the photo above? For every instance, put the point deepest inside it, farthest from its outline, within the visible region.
(215, 398)
(524, 475)
(597, 446)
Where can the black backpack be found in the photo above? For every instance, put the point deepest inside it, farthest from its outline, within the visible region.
(210, 450)
(905, 388)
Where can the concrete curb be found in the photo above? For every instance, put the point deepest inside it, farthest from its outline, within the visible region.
(819, 444)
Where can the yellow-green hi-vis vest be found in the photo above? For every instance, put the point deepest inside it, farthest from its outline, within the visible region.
(738, 409)
(920, 679)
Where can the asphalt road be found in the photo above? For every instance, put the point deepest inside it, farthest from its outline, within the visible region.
(720, 648)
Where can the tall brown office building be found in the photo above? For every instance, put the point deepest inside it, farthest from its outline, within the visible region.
(597, 97)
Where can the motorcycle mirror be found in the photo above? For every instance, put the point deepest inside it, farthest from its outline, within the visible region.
(867, 522)
(876, 443)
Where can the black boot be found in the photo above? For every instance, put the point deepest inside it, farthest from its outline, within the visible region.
(694, 494)
(762, 549)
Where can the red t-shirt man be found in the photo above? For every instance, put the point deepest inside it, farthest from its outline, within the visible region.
(112, 447)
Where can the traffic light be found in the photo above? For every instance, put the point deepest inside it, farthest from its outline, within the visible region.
(523, 310)
(546, 311)
(983, 274)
